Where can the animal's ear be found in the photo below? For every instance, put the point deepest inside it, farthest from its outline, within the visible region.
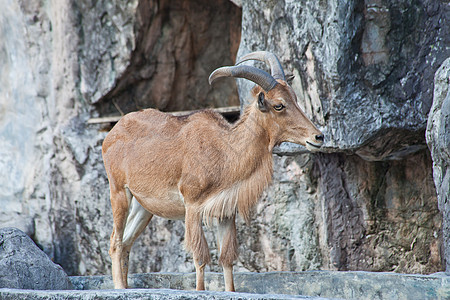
(262, 102)
(290, 78)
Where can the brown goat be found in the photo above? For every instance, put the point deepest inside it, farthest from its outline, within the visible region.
(199, 167)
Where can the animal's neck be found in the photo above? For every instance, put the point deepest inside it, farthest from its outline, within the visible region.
(250, 162)
(253, 156)
(251, 131)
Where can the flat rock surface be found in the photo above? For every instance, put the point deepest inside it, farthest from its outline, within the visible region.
(138, 294)
(270, 285)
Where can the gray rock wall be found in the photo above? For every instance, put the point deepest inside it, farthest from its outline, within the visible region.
(355, 209)
(363, 69)
(178, 44)
(338, 212)
(438, 138)
(52, 50)
(19, 114)
(364, 73)
(74, 58)
(328, 284)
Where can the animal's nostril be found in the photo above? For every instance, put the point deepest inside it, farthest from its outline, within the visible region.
(319, 137)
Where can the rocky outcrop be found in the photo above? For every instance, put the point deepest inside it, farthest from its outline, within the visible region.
(438, 138)
(362, 73)
(24, 266)
(340, 212)
(356, 66)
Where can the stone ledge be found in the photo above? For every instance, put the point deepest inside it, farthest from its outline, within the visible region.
(11, 294)
(330, 284)
(270, 285)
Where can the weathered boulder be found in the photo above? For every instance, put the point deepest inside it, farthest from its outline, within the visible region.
(24, 266)
(438, 139)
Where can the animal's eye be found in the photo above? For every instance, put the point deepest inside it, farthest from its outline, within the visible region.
(279, 107)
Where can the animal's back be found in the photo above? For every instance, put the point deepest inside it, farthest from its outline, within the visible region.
(150, 124)
(145, 140)
(137, 138)
(138, 125)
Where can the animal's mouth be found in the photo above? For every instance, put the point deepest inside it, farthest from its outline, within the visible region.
(313, 146)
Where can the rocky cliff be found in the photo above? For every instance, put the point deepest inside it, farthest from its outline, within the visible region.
(363, 72)
(438, 138)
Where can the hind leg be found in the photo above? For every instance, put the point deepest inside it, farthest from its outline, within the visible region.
(137, 220)
(120, 207)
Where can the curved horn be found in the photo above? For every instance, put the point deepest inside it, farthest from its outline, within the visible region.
(260, 77)
(269, 58)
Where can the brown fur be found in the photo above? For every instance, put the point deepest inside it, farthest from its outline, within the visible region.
(228, 245)
(196, 167)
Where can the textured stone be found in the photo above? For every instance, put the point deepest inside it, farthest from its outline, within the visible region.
(438, 138)
(380, 216)
(18, 117)
(162, 294)
(272, 285)
(24, 266)
(328, 284)
(108, 40)
(363, 69)
(339, 212)
(178, 44)
(356, 67)
(19, 221)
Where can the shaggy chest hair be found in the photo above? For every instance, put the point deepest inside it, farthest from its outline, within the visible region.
(240, 197)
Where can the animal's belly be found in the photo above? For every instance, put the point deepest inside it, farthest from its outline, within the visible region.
(168, 205)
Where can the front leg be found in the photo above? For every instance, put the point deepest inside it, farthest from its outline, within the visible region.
(199, 275)
(195, 242)
(227, 244)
